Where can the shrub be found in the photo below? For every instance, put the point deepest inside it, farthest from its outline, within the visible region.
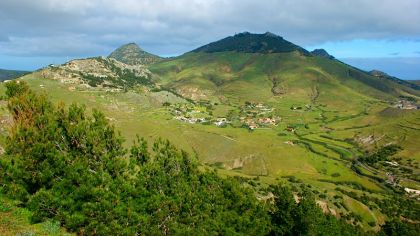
(335, 174)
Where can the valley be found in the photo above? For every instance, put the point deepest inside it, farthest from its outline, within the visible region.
(283, 116)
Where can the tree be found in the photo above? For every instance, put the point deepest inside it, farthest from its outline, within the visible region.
(396, 227)
(72, 167)
(303, 217)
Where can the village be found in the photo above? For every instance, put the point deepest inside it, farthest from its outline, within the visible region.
(258, 115)
(251, 115)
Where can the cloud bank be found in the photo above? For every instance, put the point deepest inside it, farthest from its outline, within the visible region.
(166, 27)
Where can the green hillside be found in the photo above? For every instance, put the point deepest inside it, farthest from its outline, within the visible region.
(266, 66)
(293, 77)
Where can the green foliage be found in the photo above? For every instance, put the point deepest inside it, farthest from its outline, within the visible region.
(304, 217)
(335, 174)
(15, 88)
(382, 154)
(396, 227)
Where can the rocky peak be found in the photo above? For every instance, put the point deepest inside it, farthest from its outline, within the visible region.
(132, 54)
(321, 53)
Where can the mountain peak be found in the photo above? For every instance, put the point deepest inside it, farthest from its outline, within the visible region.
(269, 34)
(321, 53)
(252, 43)
(132, 45)
(132, 54)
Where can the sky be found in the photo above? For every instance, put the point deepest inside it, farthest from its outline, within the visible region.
(370, 34)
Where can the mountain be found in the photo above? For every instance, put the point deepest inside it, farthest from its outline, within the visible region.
(11, 74)
(132, 54)
(263, 67)
(252, 43)
(321, 53)
(97, 72)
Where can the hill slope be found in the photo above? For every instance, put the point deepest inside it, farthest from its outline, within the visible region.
(385, 76)
(264, 66)
(97, 72)
(132, 54)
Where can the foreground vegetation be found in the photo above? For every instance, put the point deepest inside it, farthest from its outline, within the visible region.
(71, 167)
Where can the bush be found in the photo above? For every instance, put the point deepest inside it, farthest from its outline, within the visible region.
(381, 154)
(335, 174)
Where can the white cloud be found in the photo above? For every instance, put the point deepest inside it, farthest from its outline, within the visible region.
(95, 26)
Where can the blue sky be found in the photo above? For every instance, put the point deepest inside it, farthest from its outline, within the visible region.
(370, 34)
(399, 58)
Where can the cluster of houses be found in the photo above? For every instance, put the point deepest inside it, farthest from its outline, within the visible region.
(190, 120)
(189, 113)
(254, 123)
(406, 105)
(220, 122)
(252, 116)
(258, 115)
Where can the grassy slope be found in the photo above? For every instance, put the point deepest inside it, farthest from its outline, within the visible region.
(245, 76)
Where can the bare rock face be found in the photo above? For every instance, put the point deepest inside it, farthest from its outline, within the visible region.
(98, 72)
(194, 93)
(132, 54)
